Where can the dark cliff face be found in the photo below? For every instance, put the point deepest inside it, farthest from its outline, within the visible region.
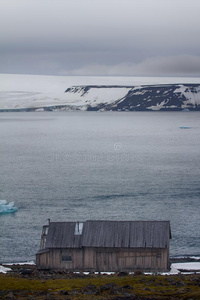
(148, 98)
(167, 97)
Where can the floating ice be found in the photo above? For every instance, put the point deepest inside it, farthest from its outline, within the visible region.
(7, 207)
(184, 127)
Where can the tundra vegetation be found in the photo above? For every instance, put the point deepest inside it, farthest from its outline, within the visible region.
(23, 283)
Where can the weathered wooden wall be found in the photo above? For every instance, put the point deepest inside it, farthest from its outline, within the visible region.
(104, 259)
(132, 259)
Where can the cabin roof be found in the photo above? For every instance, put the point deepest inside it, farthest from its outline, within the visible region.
(123, 234)
(61, 235)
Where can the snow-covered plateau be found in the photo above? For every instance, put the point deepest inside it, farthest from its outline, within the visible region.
(38, 93)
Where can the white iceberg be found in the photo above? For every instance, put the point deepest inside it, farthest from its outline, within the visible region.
(7, 207)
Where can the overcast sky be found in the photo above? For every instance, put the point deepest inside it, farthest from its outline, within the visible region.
(100, 37)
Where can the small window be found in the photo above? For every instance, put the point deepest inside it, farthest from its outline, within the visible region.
(78, 228)
(46, 229)
(66, 258)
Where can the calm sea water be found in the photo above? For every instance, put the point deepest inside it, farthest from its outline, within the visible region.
(86, 165)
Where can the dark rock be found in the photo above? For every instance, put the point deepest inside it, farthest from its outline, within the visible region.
(41, 293)
(138, 273)
(180, 284)
(111, 288)
(26, 271)
(90, 289)
(123, 274)
(36, 273)
(63, 292)
(126, 294)
(188, 290)
(50, 297)
(128, 287)
(74, 292)
(10, 296)
(132, 297)
(108, 286)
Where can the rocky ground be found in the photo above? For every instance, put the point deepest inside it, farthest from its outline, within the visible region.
(25, 282)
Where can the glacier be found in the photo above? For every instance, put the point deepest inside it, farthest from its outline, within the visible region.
(51, 93)
(7, 207)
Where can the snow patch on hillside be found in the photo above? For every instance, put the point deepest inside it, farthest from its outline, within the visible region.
(192, 94)
(95, 96)
(158, 106)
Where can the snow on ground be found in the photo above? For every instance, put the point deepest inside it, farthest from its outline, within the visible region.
(35, 91)
(173, 270)
(21, 263)
(189, 266)
(4, 269)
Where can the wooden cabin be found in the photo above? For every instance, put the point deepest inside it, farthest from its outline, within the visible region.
(105, 246)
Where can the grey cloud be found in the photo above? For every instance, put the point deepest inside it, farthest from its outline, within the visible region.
(174, 65)
(184, 65)
(95, 64)
(73, 36)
